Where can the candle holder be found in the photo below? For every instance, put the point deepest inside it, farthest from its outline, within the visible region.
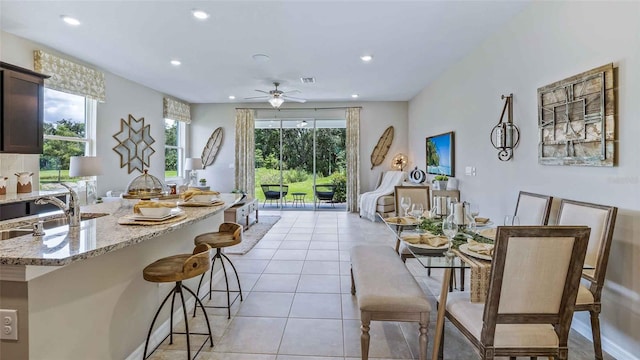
(505, 136)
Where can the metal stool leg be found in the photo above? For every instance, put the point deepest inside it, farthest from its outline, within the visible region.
(206, 317)
(226, 281)
(186, 323)
(173, 301)
(235, 272)
(155, 317)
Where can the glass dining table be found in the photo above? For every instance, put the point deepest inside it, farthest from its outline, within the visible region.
(430, 258)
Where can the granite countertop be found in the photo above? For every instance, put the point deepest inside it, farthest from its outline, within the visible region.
(13, 198)
(95, 237)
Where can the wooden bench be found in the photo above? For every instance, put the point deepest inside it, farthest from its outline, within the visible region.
(387, 292)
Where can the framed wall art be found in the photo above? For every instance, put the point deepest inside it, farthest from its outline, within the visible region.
(576, 119)
(440, 154)
(134, 144)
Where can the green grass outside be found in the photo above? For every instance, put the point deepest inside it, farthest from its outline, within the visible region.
(270, 176)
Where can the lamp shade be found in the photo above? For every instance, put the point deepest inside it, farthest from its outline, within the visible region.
(193, 164)
(276, 102)
(85, 166)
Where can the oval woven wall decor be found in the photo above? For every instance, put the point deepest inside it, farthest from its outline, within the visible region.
(382, 147)
(210, 150)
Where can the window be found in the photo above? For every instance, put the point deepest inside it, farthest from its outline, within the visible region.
(69, 130)
(174, 140)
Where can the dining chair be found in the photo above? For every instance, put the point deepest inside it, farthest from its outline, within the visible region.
(418, 195)
(533, 209)
(535, 275)
(601, 219)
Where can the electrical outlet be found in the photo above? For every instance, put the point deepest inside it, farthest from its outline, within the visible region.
(9, 324)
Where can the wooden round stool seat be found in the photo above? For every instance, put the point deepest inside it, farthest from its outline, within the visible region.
(217, 240)
(176, 268)
(228, 234)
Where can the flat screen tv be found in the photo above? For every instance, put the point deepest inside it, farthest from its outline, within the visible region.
(440, 154)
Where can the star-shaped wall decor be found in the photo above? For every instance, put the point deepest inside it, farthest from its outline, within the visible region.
(134, 144)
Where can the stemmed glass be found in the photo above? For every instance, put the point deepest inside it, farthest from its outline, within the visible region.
(418, 210)
(450, 229)
(475, 210)
(405, 203)
(511, 220)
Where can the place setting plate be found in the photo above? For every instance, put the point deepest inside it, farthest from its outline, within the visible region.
(464, 248)
(192, 203)
(421, 245)
(485, 225)
(139, 219)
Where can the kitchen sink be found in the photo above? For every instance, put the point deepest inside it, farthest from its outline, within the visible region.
(62, 221)
(11, 233)
(47, 224)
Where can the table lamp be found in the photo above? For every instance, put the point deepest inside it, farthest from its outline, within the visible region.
(86, 166)
(193, 164)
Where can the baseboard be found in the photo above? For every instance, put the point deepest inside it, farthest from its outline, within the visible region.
(608, 346)
(163, 330)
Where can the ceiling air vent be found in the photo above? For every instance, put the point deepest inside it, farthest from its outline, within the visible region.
(308, 80)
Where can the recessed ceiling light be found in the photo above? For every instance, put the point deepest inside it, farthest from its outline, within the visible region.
(231, 97)
(175, 62)
(69, 20)
(199, 14)
(260, 58)
(355, 96)
(366, 58)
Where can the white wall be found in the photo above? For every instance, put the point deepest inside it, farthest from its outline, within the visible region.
(123, 98)
(549, 41)
(375, 117)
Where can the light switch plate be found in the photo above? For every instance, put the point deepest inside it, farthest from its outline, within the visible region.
(470, 171)
(9, 324)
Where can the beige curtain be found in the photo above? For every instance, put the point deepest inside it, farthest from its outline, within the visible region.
(353, 158)
(176, 110)
(245, 152)
(70, 77)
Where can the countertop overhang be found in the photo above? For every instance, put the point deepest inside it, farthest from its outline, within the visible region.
(95, 237)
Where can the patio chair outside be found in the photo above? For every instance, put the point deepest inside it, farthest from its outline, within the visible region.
(324, 192)
(274, 192)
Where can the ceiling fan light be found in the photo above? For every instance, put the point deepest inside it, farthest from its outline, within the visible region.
(276, 102)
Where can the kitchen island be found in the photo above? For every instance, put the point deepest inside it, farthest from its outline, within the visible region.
(80, 294)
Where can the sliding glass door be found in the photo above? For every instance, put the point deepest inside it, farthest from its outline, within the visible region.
(300, 163)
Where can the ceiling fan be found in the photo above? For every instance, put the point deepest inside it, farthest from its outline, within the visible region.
(277, 97)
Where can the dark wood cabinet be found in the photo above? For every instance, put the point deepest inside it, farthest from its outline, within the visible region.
(21, 110)
(26, 208)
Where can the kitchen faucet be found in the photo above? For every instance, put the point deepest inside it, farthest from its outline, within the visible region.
(71, 210)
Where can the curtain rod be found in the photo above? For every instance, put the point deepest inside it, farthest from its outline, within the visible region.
(292, 109)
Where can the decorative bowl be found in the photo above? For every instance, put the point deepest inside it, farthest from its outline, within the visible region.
(155, 212)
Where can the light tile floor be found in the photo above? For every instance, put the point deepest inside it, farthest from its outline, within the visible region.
(298, 304)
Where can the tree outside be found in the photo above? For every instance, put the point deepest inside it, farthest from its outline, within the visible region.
(56, 154)
(297, 160)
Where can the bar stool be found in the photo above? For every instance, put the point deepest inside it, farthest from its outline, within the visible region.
(228, 234)
(178, 268)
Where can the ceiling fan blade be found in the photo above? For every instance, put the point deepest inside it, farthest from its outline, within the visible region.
(294, 99)
(291, 91)
(257, 97)
(262, 91)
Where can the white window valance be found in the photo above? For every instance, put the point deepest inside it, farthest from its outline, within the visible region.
(70, 77)
(176, 110)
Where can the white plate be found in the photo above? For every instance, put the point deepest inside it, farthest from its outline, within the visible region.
(464, 249)
(174, 213)
(200, 204)
(422, 246)
(428, 247)
(487, 224)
